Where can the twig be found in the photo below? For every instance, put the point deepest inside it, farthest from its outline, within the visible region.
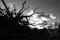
(5, 6)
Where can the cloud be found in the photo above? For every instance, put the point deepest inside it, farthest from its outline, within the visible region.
(41, 21)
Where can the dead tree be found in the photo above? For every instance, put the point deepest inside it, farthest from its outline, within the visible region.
(19, 15)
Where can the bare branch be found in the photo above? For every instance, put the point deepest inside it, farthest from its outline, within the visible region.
(25, 9)
(31, 14)
(23, 6)
(5, 5)
(0, 8)
(14, 7)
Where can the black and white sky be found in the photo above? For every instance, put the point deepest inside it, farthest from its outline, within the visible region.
(54, 5)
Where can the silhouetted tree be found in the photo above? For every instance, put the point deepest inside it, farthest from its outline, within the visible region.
(7, 19)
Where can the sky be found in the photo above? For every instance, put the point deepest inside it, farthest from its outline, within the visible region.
(54, 5)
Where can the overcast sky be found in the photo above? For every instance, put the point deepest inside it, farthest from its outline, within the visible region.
(50, 4)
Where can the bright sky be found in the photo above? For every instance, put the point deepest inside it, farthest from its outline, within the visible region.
(51, 4)
(41, 21)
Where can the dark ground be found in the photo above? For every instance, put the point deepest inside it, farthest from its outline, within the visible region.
(13, 31)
